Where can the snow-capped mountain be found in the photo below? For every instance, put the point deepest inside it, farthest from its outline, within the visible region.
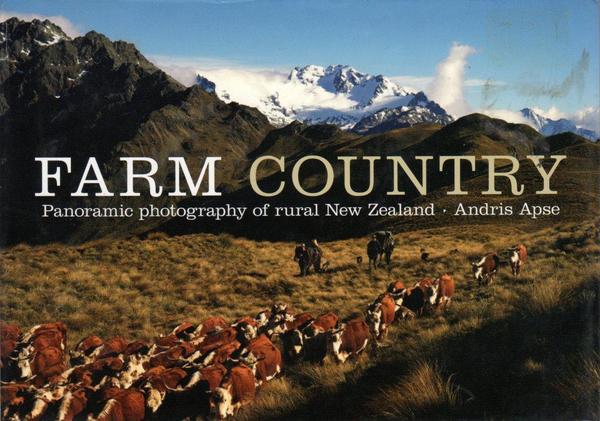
(339, 95)
(418, 110)
(548, 127)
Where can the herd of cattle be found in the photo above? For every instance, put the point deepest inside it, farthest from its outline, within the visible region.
(204, 370)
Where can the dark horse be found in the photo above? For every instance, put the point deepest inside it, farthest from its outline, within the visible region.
(307, 257)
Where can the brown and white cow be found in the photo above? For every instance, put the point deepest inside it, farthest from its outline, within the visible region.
(111, 348)
(485, 270)
(410, 303)
(264, 358)
(349, 340)
(13, 397)
(209, 377)
(37, 329)
(74, 402)
(221, 354)
(216, 340)
(122, 405)
(518, 257)
(82, 354)
(43, 365)
(156, 386)
(442, 291)
(95, 373)
(209, 326)
(380, 315)
(237, 388)
(282, 322)
(396, 287)
(323, 323)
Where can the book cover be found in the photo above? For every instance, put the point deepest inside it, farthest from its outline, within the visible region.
(299, 210)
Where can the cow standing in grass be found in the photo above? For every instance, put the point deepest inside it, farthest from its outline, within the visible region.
(518, 257)
(485, 270)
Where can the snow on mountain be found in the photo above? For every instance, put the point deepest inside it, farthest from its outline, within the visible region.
(339, 94)
(418, 110)
(548, 127)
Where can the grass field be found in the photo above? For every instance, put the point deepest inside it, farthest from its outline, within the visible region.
(523, 348)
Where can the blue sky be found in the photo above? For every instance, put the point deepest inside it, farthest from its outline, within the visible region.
(538, 53)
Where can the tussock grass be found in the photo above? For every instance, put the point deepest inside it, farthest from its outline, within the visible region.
(512, 343)
(424, 392)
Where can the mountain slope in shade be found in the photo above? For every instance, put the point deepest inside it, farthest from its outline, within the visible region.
(338, 95)
(549, 127)
(92, 97)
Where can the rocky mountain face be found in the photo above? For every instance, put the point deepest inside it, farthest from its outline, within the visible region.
(419, 110)
(90, 96)
(342, 96)
(549, 127)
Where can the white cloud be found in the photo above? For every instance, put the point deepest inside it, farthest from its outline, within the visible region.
(67, 26)
(588, 117)
(552, 113)
(447, 87)
(506, 115)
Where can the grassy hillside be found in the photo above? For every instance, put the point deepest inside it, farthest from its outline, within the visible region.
(518, 348)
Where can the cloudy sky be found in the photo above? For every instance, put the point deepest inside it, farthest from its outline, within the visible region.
(469, 55)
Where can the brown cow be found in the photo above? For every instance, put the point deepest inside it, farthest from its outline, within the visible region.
(59, 326)
(216, 340)
(43, 365)
(13, 396)
(157, 386)
(380, 315)
(236, 389)
(96, 372)
(9, 331)
(285, 322)
(221, 354)
(172, 356)
(518, 257)
(10, 335)
(122, 405)
(209, 326)
(111, 348)
(165, 342)
(321, 324)
(485, 270)
(209, 377)
(83, 349)
(74, 402)
(43, 398)
(442, 292)
(264, 358)
(350, 340)
(184, 330)
(396, 287)
(412, 299)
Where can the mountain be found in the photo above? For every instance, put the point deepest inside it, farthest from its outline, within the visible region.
(418, 110)
(92, 97)
(338, 95)
(549, 127)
